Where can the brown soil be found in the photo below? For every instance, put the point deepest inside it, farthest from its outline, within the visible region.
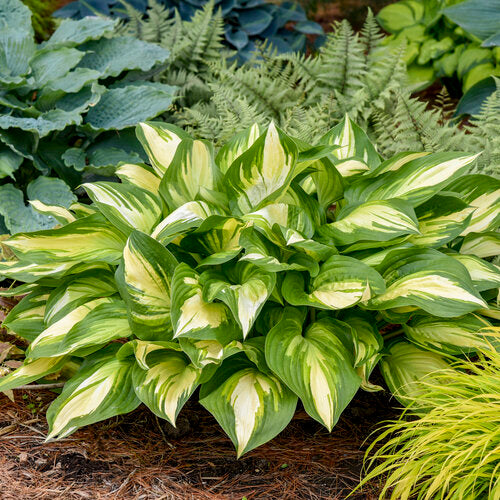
(139, 457)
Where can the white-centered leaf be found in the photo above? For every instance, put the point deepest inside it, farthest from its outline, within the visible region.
(140, 175)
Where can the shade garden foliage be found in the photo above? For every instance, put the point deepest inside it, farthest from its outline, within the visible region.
(272, 271)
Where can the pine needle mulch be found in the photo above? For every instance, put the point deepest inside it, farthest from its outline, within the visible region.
(139, 457)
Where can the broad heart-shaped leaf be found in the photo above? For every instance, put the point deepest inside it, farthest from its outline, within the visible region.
(71, 33)
(485, 275)
(160, 141)
(481, 244)
(193, 317)
(427, 279)
(126, 206)
(112, 56)
(238, 144)
(31, 371)
(182, 219)
(373, 221)
(191, 171)
(167, 384)
(449, 336)
(482, 193)
(262, 173)
(145, 281)
(416, 181)
(101, 389)
(441, 219)
(145, 100)
(48, 343)
(342, 282)
(353, 144)
(89, 239)
(246, 297)
(405, 366)
(252, 407)
(315, 365)
(51, 64)
(140, 175)
(25, 319)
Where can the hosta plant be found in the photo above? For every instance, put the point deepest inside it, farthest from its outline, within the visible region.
(62, 105)
(268, 272)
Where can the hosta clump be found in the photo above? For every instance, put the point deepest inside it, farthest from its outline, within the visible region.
(268, 272)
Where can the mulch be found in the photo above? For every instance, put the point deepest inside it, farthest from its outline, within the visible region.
(138, 456)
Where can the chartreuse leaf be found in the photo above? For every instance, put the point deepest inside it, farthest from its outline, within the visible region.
(193, 317)
(262, 173)
(160, 141)
(245, 291)
(374, 221)
(31, 371)
(450, 336)
(441, 219)
(101, 389)
(485, 275)
(167, 384)
(342, 282)
(145, 281)
(481, 244)
(315, 364)
(355, 151)
(427, 279)
(48, 343)
(25, 319)
(252, 407)
(126, 206)
(237, 145)
(191, 172)
(140, 175)
(182, 219)
(405, 366)
(416, 181)
(89, 239)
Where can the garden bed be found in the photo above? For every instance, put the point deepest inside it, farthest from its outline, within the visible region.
(133, 457)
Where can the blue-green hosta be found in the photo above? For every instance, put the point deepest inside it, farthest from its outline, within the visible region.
(263, 273)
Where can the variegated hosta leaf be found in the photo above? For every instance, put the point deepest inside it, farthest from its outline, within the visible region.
(481, 192)
(144, 279)
(160, 141)
(395, 162)
(252, 407)
(141, 349)
(168, 383)
(355, 150)
(193, 317)
(368, 344)
(415, 181)
(485, 275)
(237, 145)
(245, 294)
(26, 318)
(17, 291)
(60, 214)
(76, 290)
(342, 282)
(191, 172)
(441, 219)
(373, 221)
(31, 371)
(406, 366)
(182, 219)
(30, 272)
(206, 352)
(48, 343)
(429, 280)
(140, 175)
(315, 365)
(328, 182)
(481, 245)
(101, 389)
(126, 206)
(89, 239)
(103, 324)
(217, 238)
(449, 336)
(262, 173)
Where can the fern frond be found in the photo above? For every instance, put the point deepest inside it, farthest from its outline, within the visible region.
(370, 37)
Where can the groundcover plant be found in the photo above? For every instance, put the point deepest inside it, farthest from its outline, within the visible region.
(272, 271)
